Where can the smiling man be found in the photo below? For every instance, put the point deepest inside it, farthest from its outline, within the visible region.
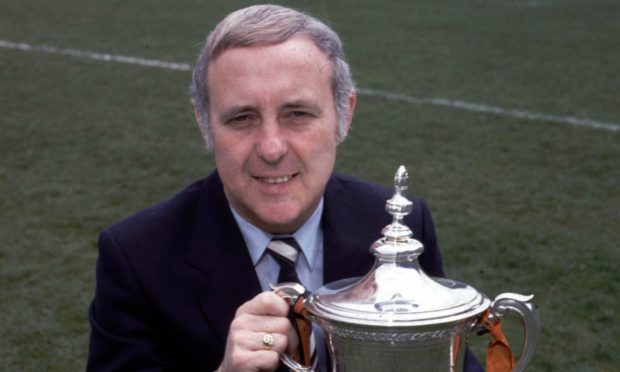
(273, 126)
(184, 284)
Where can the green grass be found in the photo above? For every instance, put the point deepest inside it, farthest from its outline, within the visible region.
(523, 206)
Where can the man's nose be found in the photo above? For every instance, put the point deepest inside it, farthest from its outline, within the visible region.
(271, 144)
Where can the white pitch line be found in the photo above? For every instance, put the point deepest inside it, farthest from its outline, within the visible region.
(455, 104)
(96, 56)
(484, 108)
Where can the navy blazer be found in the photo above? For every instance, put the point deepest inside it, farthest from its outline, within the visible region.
(170, 278)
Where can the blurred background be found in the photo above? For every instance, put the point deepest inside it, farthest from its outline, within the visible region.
(506, 113)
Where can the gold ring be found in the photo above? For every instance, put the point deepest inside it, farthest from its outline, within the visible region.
(268, 340)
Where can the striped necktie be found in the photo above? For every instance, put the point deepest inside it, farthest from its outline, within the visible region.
(285, 251)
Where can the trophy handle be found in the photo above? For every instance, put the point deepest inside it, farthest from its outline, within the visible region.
(293, 365)
(527, 312)
(292, 293)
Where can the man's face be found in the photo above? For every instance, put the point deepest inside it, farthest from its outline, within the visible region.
(273, 124)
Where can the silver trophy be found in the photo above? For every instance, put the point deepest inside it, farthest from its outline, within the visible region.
(397, 318)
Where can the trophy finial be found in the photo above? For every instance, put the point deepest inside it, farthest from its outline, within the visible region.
(398, 206)
(400, 178)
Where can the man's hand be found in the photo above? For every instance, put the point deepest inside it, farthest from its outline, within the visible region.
(245, 350)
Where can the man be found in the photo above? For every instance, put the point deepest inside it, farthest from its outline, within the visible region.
(184, 284)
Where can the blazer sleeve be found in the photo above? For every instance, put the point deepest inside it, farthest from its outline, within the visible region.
(122, 336)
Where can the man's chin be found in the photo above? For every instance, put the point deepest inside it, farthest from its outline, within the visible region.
(280, 228)
(284, 222)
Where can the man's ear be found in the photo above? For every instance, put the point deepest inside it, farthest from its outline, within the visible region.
(199, 121)
(352, 102)
(203, 132)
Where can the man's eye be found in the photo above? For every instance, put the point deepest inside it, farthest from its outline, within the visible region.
(299, 114)
(239, 120)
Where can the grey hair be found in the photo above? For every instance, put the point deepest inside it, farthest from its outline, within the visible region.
(271, 24)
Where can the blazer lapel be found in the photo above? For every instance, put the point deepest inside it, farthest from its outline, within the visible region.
(218, 250)
(346, 236)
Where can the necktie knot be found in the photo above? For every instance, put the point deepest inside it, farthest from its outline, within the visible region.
(284, 248)
(285, 251)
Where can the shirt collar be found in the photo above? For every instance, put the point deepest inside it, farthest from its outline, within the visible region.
(308, 236)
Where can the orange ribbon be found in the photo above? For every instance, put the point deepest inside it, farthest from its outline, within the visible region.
(304, 331)
(499, 355)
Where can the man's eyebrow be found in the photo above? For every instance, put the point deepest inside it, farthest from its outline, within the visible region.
(302, 104)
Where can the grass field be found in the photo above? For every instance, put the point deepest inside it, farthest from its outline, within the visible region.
(522, 203)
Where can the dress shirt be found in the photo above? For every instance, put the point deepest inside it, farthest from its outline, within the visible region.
(309, 263)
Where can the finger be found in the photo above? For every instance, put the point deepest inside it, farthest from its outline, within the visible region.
(261, 360)
(265, 303)
(266, 360)
(271, 341)
(250, 341)
(261, 323)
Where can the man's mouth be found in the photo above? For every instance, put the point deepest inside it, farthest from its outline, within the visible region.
(275, 180)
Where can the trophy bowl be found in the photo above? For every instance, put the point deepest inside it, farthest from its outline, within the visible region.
(397, 318)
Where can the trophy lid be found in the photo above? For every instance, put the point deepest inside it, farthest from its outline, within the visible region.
(397, 292)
